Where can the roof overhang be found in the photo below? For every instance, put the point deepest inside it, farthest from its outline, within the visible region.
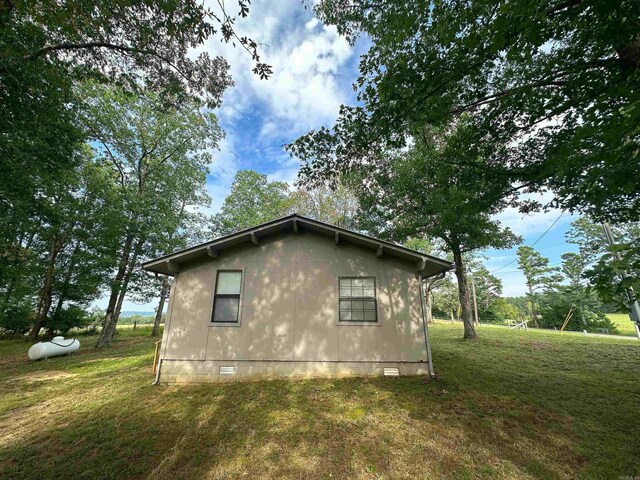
(426, 265)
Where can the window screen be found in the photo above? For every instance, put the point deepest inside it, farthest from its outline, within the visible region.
(226, 302)
(358, 299)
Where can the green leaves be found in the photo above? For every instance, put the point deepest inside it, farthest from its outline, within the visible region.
(553, 82)
(253, 200)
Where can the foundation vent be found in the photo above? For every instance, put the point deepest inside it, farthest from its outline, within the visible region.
(227, 370)
(391, 372)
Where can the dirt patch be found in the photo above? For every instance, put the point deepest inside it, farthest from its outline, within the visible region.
(44, 376)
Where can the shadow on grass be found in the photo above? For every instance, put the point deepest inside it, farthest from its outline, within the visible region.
(103, 419)
(285, 429)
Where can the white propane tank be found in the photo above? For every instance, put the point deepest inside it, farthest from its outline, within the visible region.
(57, 346)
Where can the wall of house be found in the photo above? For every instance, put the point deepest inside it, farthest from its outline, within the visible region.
(289, 314)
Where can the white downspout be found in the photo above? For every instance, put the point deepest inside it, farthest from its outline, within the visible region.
(157, 380)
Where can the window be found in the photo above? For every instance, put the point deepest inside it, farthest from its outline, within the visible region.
(226, 302)
(358, 299)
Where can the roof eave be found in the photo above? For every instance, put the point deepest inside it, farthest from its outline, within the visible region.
(169, 264)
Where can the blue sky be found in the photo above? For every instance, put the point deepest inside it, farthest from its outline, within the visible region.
(314, 69)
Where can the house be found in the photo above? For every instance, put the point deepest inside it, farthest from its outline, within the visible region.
(295, 296)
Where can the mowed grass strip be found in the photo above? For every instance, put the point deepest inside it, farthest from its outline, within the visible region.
(509, 405)
(624, 324)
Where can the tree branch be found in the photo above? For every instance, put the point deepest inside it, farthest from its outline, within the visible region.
(111, 46)
(506, 92)
(81, 46)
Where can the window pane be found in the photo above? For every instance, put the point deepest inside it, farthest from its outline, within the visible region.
(226, 309)
(357, 292)
(229, 283)
(357, 299)
(345, 304)
(370, 316)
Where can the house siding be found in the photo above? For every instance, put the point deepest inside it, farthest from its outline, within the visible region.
(289, 314)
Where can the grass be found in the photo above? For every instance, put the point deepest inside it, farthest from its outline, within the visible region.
(625, 326)
(510, 405)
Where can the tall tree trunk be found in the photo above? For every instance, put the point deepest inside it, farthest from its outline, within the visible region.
(534, 310)
(463, 295)
(428, 307)
(133, 263)
(67, 280)
(125, 271)
(108, 325)
(428, 301)
(163, 295)
(44, 303)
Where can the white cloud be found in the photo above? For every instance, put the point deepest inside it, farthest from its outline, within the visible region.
(309, 82)
(533, 222)
(306, 56)
(222, 169)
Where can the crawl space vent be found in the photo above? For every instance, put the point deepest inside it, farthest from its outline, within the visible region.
(391, 372)
(227, 370)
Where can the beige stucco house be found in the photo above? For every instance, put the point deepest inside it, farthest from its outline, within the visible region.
(295, 296)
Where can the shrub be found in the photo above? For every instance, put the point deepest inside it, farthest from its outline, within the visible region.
(500, 311)
(68, 318)
(16, 319)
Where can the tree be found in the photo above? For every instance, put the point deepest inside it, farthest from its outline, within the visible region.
(585, 309)
(610, 269)
(50, 48)
(67, 318)
(66, 247)
(335, 204)
(154, 153)
(424, 245)
(133, 42)
(253, 200)
(557, 81)
(488, 291)
(521, 304)
(501, 311)
(538, 275)
(433, 190)
(16, 319)
(446, 301)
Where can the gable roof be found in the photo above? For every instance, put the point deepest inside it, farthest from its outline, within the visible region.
(426, 265)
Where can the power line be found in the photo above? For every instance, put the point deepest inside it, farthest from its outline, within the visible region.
(555, 264)
(534, 243)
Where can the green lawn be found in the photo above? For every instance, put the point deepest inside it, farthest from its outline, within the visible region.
(625, 326)
(512, 404)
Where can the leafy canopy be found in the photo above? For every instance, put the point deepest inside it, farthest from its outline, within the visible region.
(558, 81)
(253, 200)
(437, 190)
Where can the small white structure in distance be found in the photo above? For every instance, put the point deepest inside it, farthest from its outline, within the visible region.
(54, 348)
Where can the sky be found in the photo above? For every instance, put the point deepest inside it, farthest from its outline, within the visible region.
(314, 69)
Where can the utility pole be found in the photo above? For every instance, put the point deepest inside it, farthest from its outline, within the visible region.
(634, 308)
(475, 305)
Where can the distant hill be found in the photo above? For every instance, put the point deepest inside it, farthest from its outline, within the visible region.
(143, 314)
